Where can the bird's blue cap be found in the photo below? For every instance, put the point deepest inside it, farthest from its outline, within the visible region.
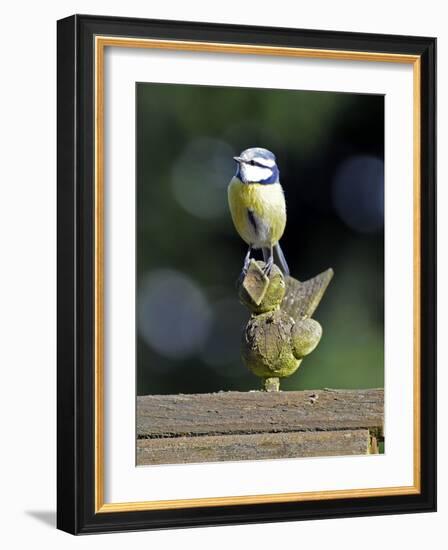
(253, 152)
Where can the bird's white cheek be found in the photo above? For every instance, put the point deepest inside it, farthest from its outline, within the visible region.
(256, 173)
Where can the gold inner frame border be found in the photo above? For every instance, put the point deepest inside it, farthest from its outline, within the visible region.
(100, 43)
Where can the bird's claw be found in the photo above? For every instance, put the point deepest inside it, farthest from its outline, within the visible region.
(267, 268)
(246, 266)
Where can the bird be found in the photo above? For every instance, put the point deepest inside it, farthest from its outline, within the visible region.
(257, 206)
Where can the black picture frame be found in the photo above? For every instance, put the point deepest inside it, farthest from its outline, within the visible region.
(76, 272)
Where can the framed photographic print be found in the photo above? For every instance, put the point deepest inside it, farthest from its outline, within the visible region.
(246, 274)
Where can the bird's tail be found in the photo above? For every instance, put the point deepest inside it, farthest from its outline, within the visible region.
(280, 257)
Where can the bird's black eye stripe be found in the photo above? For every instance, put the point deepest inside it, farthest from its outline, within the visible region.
(255, 163)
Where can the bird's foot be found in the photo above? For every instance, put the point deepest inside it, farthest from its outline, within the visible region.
(267, 268)
(245, 266)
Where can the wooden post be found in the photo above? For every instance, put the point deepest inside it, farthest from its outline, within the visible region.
(271, 384)
(280, 332)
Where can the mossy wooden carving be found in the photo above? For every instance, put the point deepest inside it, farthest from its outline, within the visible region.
(280, 331)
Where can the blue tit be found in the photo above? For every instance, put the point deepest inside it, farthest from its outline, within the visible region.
(257, 205)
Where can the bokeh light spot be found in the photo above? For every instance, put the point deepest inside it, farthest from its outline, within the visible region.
(173, 314)
(358, 193)
(200, 177)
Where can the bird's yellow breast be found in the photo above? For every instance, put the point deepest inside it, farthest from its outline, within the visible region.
(258, 212)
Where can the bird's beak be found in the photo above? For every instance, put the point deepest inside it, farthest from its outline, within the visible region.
(238, 159)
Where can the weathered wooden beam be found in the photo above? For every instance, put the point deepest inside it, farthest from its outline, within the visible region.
(185, 450)
(233, 413)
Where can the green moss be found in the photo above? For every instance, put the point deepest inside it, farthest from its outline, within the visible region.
(259, 293)
(267, 345)
(306, 334)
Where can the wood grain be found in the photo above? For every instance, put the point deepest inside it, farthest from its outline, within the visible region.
(259, 412)
(251, 447)
(302, 298)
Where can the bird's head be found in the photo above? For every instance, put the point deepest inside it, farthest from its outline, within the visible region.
(257, 165)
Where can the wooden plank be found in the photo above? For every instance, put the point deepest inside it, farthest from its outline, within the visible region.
(227, 413)
(182, 450)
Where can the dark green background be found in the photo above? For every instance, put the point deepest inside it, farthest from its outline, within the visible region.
(329, 149)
